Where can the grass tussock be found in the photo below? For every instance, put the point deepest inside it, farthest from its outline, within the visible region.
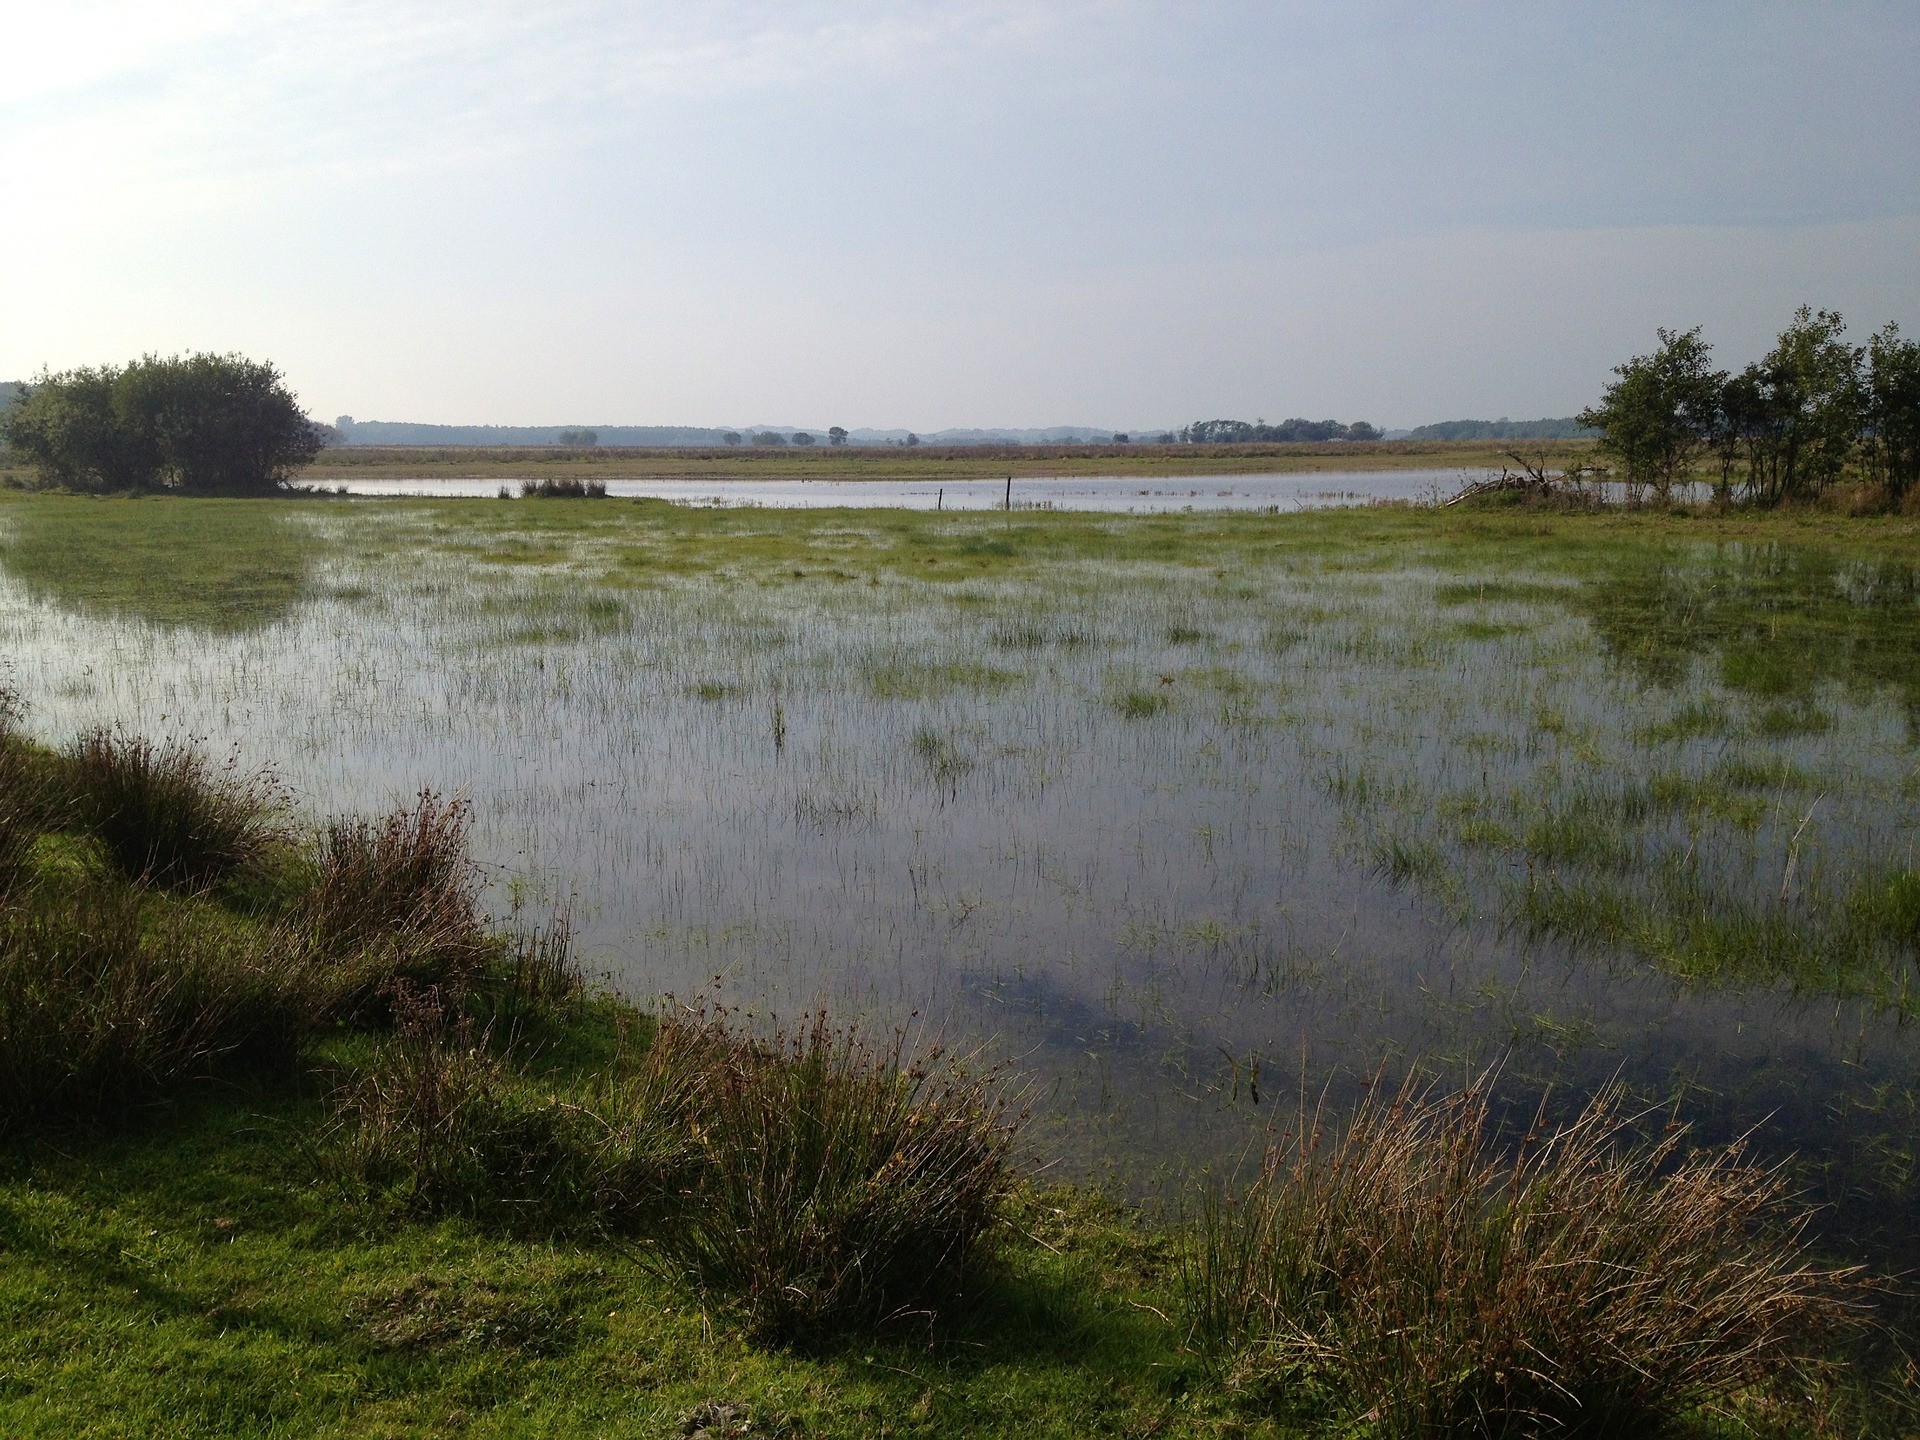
(443, 1122)
(1584, 1283)
(563, 487)
(814, 1178)
(109, 1000)
(840, 1180)
(169, 816)
(404, 884)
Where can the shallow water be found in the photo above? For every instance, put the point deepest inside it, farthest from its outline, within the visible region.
(1121, 494)
(1111, 822)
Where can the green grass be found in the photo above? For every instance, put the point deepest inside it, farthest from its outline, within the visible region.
(199, 1279)
(219, 565)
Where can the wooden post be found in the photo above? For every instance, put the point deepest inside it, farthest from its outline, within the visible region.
(940, 500)
(1009, 492)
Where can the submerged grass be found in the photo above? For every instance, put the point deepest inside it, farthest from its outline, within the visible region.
(499, 1195)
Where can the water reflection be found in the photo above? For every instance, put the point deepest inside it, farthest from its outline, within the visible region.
(1777, 622)
(1102, 818)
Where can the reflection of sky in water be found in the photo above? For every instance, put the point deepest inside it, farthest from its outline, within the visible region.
(1120, 493)
(958, 819)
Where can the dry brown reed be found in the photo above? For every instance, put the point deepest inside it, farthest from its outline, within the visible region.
(1585, 1281)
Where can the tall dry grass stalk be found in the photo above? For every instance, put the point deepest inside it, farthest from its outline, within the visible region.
(1587, 1282)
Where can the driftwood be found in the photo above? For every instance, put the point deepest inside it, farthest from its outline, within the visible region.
(1533, 477)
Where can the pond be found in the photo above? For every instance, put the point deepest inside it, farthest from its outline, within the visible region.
(1174, 817)
(1122, 494)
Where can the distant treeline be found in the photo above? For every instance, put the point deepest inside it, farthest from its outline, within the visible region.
(400, 432)
(1568, 428)
(348, 431)
(1240, 432)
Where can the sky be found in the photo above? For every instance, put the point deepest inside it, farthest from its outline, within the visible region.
(947, 213)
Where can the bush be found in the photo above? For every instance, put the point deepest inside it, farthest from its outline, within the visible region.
(563, 489)
(207, 424)
(838, 1184)
(167, 816)
(1585, 1283)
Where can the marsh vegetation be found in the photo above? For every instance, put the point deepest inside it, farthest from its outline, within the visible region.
(1178, 816)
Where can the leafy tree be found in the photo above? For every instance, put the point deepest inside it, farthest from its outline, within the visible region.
(769, 437)
(1807, 402)
(205, 424)
(1892, 412)
(1657, 417)
(580, 439)
(1292, 431)
(801, 437)
(836, 435)
(1739, 413)
(912, 439)
(732, 437)
(66, 427)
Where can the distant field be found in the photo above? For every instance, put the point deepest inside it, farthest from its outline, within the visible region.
(899, 462)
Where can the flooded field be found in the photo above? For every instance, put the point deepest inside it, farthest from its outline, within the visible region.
(1173, 815)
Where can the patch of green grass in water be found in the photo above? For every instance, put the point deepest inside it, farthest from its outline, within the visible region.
(219, 565)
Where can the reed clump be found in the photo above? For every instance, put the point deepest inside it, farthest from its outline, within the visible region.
(840, 1180)
(814, 1178)
(400, 895)
(1585, 1282)
(563, 488)
(167, 815)
(443, 1122)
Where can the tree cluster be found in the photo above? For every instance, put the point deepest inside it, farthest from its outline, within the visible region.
(201, 424)
(1785, 428)
(1239, 432)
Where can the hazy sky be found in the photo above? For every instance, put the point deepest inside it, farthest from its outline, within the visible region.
(947, 213)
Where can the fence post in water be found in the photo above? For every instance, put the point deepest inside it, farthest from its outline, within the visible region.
(1009, 492)
(940, 499)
